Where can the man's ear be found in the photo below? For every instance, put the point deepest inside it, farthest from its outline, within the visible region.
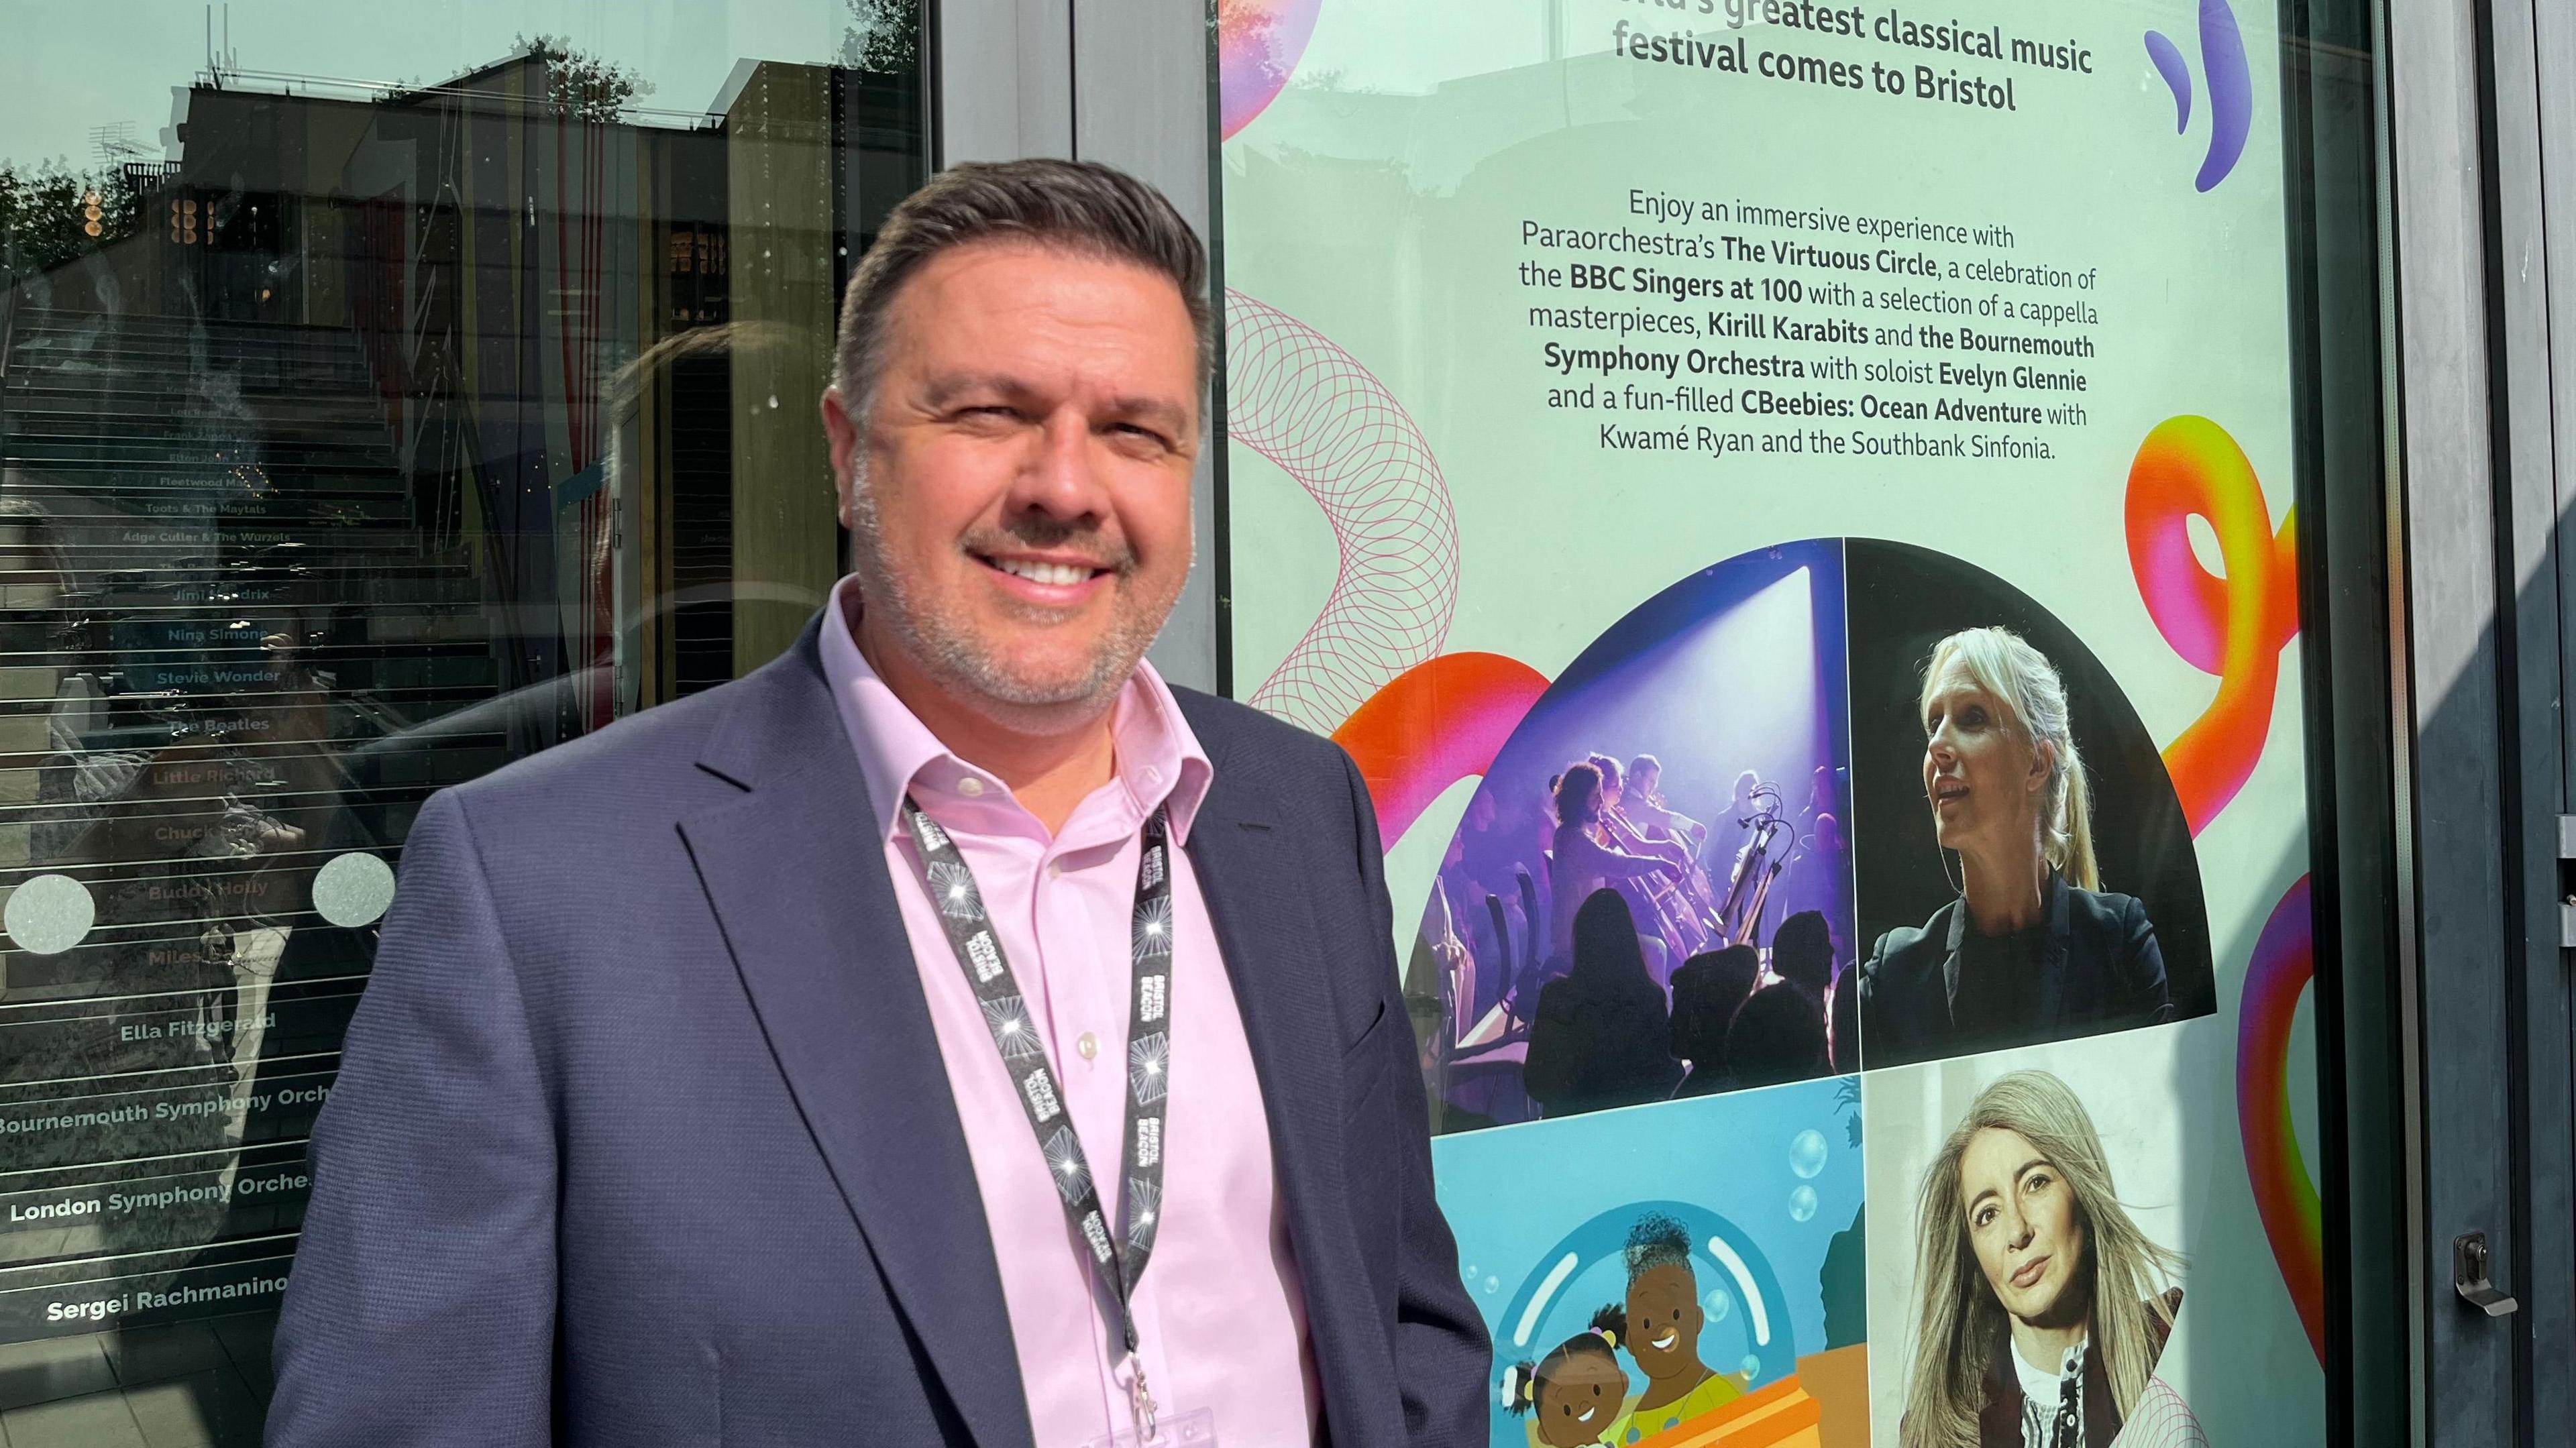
(2043, 763)
(843, 433)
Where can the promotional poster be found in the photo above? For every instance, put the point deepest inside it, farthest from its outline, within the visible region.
(1789, 507)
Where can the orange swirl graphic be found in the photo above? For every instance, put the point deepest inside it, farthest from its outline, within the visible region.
(1439, 722)
(2233, 626)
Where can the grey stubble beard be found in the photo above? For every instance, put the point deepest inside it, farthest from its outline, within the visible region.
(957, 659)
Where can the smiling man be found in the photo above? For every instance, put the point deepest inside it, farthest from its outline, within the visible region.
(947, 1034)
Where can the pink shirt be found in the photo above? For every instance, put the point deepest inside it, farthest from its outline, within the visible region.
(1219, 1314)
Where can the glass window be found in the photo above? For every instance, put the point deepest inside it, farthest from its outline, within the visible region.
(1791, 507)
(379, 403)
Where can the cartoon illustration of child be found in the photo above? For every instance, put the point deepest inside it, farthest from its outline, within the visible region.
(1664, 1321)
(1578, 1393)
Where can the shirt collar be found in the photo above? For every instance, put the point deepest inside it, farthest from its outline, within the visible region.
(1159, 761)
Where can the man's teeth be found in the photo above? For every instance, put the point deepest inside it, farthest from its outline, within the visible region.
(1665, 1343)
(1055, 573)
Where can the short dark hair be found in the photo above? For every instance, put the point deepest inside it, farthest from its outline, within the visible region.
(1579, 783)
(1802, 952)
(1080, 207)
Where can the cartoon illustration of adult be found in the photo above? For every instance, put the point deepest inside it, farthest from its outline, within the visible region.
(1664, 1322)
(1578, 1393)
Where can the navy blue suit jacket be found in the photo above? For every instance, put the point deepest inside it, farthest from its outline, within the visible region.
(642, 1134)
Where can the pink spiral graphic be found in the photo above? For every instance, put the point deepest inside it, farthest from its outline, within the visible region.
(1307, 405)
(2161, 1419)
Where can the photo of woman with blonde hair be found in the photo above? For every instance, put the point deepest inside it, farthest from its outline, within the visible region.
(2032, 948)
(2041, 1308)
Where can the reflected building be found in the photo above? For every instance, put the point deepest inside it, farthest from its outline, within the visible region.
(383, 437)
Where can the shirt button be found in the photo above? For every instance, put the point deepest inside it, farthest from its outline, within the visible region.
(971, 787)
(1055, 869)
(1153, 775)
(1088, 1045)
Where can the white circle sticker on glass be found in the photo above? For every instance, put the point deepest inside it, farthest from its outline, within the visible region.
(353, 889)
(49, 914)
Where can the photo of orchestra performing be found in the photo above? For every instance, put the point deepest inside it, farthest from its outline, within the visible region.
(1650, 895)
(2025, 871)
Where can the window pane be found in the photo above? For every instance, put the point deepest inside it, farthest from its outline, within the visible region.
(1791, 508)
(379, 403)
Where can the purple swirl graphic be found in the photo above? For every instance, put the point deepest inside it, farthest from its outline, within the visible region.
(2231, 91)
(2177, 74)
(1258, 45)
(2230, 82)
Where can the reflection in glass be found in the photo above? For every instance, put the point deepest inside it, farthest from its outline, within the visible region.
(357, 438)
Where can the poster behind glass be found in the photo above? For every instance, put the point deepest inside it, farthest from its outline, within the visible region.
(1790, 508)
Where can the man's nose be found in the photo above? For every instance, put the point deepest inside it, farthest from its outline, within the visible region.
(1062, 479)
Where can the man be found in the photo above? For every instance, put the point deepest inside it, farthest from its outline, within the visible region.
(846, 1055)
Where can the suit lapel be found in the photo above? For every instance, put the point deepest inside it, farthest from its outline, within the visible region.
(798, 882)
(1245, 871)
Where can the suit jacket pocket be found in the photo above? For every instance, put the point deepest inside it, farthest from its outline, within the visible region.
(1370, 1076)
(1364, 1066)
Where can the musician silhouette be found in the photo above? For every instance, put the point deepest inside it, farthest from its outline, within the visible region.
(1581, 862)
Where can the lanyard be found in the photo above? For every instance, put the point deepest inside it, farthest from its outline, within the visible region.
(1006, 1013)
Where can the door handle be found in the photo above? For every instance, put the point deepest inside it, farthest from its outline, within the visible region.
(2469, 1277)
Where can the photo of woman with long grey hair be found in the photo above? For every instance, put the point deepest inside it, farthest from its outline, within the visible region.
(2041, 1306)
(2033, 948)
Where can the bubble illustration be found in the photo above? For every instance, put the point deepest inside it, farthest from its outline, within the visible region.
(1802, 1204)
(1751, 1367)
(1718, 1305)
(1807, 1154)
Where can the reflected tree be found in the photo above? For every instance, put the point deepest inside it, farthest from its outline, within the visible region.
(51, 214)
(883, 38)
(580, 85)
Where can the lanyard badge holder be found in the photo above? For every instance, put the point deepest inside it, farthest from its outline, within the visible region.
(1120, 1261)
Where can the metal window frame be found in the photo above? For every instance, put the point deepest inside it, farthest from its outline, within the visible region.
(2479, 103)
(1124, 82)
